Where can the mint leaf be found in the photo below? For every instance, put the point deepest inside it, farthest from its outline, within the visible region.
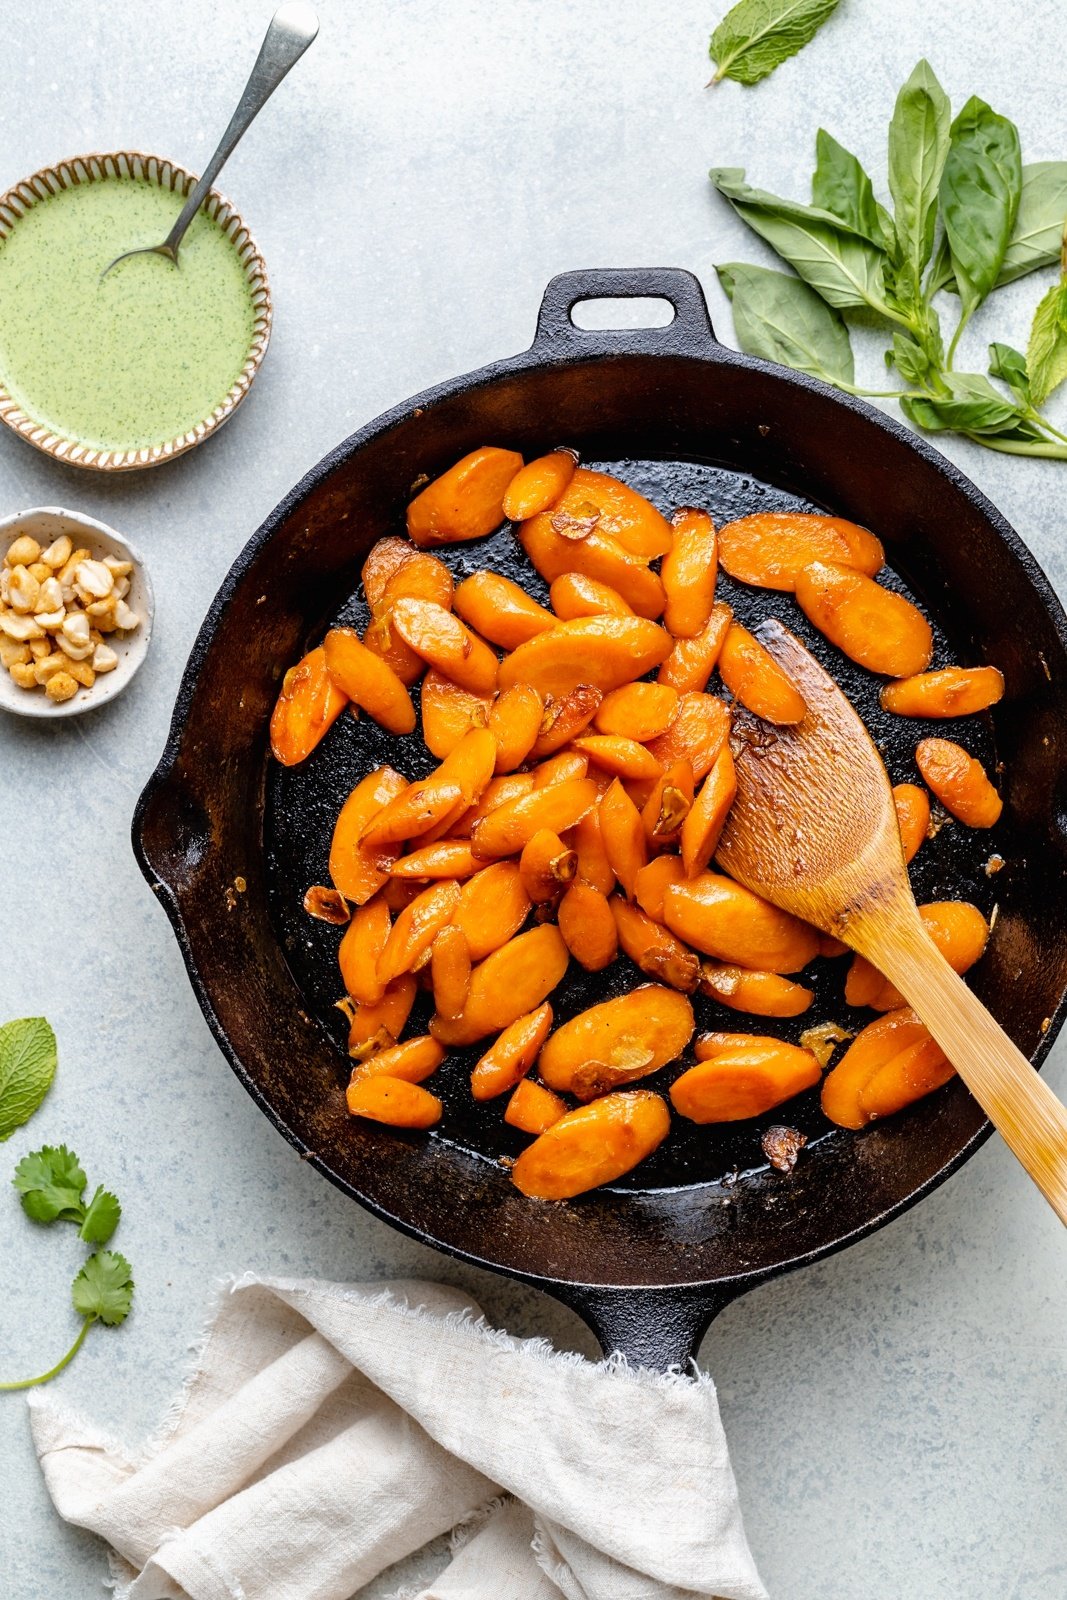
(51, 1183)
(780, 318)
(101, 1217)
(758, 35)
(103, 1289)
(1046, 354)
(27, 1066)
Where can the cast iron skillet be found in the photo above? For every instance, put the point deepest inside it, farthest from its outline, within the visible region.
(230, 842)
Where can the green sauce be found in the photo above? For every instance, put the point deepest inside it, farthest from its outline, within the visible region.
(134, 359)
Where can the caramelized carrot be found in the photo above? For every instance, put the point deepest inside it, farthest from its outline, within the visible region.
(546, 866)
(467, 501)
(493, 905)
(413, 1061)
(378, 1027)
(587, 926)
(450, 970)
(511, 1055)
(447, 644)
(307, 707)
(594, 1145)
(696, 735)
(617, 1041)
(952, 692)
(689, 571)
(598, 557)
(879, 629)
(564, 717)
(614, 509)
(509, 827)
(593, 865)
(959, 782)
(513, 980)
(668, 805)
(357, 869)
(744, 1081)
(382, 639)
(515, 723)
(448, 712)
(692, 661)
(447, 858)
(707, 815)
(623, 834)
(567, 767)
(499, 610)
(361, 949)
(723, 919)
(653, 881)
(638, 711)
(762, 994)
(653, 948)
(368, 681)
(533, 1108)
(574, 595)
(394, 1102)
(384, 560)
(622, 757)
(709, 1045)
(415, 930)
(913, 816)
(959, 931)
(414, 811)
(770, 548)
(604, 651)
(886, 1043)
(755, 679)
(539, 484)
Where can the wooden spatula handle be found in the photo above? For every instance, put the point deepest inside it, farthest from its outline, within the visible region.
(1013, 1096)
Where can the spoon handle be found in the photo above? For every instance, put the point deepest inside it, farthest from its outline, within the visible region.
(1019, 1103)
(292, 28)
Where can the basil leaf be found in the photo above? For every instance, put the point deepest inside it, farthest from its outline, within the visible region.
(1046, 355)
(841, 186)
(1009, 365)
(980, 189)
(941, 275)
(27, 1067)
(1038, 233)
(840, 265)
(909, 358)
(758, 35)
(918, 145)
(779, 318)
(972, 405)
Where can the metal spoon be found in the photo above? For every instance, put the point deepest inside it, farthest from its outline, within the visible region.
(292, 28)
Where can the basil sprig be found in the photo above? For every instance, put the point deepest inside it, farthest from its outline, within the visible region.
(967, 217)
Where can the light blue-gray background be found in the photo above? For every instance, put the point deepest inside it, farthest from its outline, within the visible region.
(897, 1416)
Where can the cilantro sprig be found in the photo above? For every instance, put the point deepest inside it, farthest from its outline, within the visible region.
(51, 1186)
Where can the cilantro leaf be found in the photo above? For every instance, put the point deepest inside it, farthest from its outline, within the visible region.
(51, 1183)
(27, 1066)
(103, 1289)
(101, 1217)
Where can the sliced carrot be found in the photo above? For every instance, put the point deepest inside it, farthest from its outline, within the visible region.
(638, 711)
(668, 805)
(959, 782)
(448, 712)
(755, 679)
(394, 1102)
(509, 786)
(493, 905)
(378, 1027)
(567, 767)
(533, 1108)
(446, 643)
(574, 595)
(696, 735)
(874, 626)
(744, 1081)
(913, 816)
(622, 757)
(546, 866)
(515, 722)
(952, 692)
(587, 925)
(653, 881)
(382, 639)
(689, 571)
(450, 970)
(692, 661)
(413, 1061)
(617, 1041)
(614, 509)
(723, 919)
(368, 681)
(623, 834)
(511, 1055)
(770, 548)
(707, 815)
(467, 501)
(360, 951)
(762, 994)
(446, 858)
(415, 930)
(604, 651)
(598, 557)
(880, 1044)
(959, 931)
(513, 980)
(414, 811)
(384, 559)
(709, 1045)
(654, 948)
(593, 865)
(564, 716)
(907, 1077)
(594, 1145)
(499, 610)
(539, 484)
(506, 830)
(307, 707)
(357, 869)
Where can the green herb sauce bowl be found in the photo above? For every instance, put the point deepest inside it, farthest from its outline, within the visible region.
(192, 403)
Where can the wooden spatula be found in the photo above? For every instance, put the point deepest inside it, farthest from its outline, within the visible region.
(814, 829)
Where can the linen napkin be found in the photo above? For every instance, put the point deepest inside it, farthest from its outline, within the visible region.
(330, 1430)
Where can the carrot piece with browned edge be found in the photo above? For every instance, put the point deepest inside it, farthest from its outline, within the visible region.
(467, 501)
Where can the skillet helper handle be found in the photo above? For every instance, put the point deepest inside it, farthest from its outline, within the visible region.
(653, 1328)
(689, 333)
(1016, 1099)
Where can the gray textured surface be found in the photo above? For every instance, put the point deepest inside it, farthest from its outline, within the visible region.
(897, 1415)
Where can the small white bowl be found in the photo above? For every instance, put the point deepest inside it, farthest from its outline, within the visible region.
(46, 524)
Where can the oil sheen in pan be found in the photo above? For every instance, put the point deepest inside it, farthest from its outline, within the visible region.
(303, 802)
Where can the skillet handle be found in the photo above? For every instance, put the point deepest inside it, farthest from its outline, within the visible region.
(689, 333)
(653, 1328)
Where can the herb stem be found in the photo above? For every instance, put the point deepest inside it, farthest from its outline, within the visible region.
(1050, 451)
(31, 1383)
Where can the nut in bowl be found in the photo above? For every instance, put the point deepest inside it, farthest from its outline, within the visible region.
(76, 612)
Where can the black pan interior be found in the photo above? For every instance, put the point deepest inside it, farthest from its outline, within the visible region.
(230, 843)
(303, 802)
